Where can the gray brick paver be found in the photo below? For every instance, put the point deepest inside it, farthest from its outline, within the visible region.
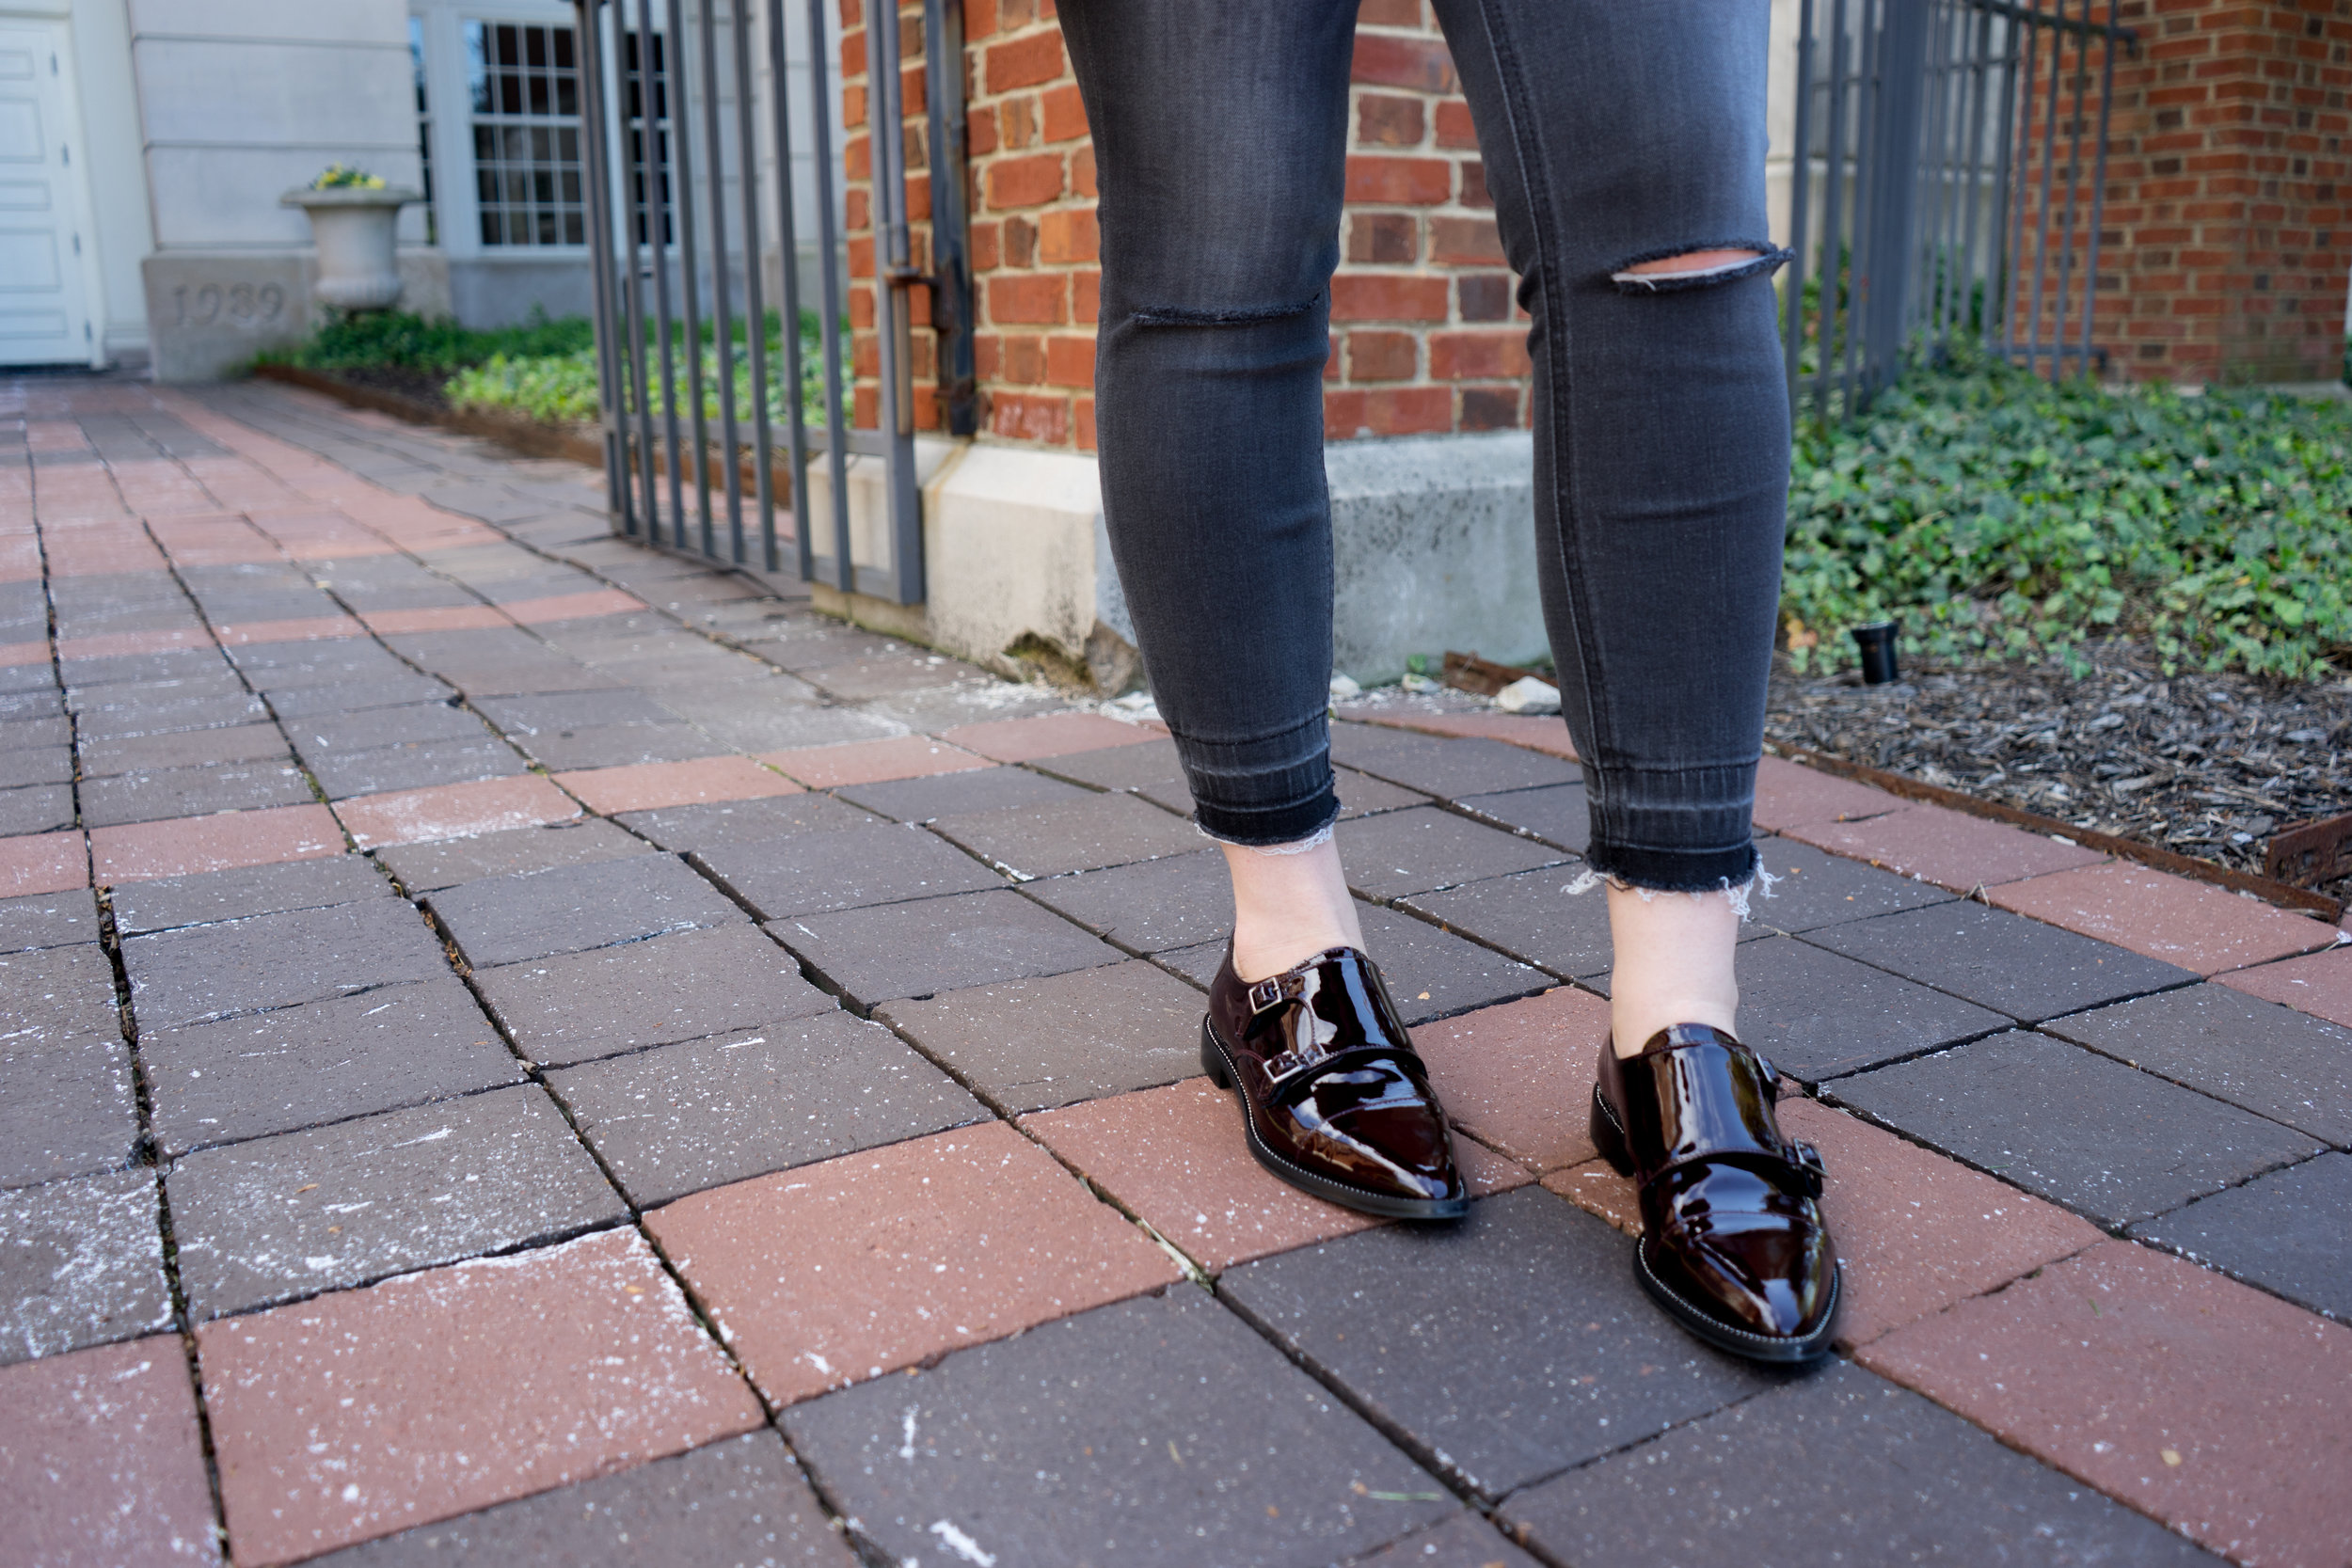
(576, 1007)
(1157, 1433)
(287, 1216)
(320, 1061)
(2075, 1126)
(738, 1502)
(1839, 1460)
(275, 960)
(700, 1114)
(717, 825)
(81, 1264)
(811, 873)
(571, 908)
(2270, 1059)
(166, 902)
(1506, 1349)
(2283, 1231)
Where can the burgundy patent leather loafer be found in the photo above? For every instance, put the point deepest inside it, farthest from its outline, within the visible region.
(1334, 1098)
(1732, 1244)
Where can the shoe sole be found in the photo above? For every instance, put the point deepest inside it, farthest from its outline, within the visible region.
(1221, 1072)
(1773, 1350)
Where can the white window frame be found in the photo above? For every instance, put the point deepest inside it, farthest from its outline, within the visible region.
(457, 209)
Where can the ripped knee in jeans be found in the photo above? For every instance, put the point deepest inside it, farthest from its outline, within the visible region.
(1697, 267)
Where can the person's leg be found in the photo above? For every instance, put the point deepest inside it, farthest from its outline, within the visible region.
(1220, 152)
(1625, 146)
(1220, 137)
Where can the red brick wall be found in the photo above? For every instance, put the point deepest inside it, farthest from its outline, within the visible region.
(1425, 335)
(2225, 242)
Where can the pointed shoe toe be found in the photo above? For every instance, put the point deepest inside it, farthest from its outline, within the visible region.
(1334, 1098)
(1733, 1245)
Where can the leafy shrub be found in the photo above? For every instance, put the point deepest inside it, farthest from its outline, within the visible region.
(371, 338)
(563, 385)
(560, 387)
(1994, 514)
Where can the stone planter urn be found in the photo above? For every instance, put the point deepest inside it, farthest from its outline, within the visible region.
(352, 226)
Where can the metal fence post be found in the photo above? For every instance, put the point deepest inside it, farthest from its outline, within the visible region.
(1935, 120)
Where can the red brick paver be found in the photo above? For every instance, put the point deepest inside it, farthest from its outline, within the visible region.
(1520, 1076)
(114, 643)
(184, 845)
(651, 785)
(454, 811)
(2215, 1408)
(43, 863)
(465, 617)
(435, 1394)
(1594, 1188)
(1918, 1231)
(2190, 924)
(304, 629)
(572, 606)
(1174, 1156)
(1052, 734)
(843, 1270)
(2319, 984)
(1946, 847)
(100, 1466)
(906, 756)
(1789, 795)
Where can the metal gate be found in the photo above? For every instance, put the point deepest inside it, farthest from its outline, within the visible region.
(708, 443)
(1941, 187)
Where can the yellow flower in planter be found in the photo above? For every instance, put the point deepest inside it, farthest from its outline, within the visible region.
(340, 177)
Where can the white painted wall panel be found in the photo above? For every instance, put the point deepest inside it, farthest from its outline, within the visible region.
(239, 92)
(215, 198)
(323, 21)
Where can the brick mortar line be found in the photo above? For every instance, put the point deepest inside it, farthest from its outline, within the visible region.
(838, 1519)
(1446, 1474)
(147, 1151)
(533, 1072)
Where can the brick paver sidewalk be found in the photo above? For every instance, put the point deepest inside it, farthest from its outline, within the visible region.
(518, 1050)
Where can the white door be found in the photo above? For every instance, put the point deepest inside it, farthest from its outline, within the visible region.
(44, 304)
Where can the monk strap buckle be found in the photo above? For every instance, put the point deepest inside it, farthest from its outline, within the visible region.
(1267, 995)
(1805, 1161)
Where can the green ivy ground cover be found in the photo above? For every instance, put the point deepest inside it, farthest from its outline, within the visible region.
(1996, 514)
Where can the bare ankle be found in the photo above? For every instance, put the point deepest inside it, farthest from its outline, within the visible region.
(1287, 907)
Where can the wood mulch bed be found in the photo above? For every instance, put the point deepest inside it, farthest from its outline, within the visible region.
(2211, 766)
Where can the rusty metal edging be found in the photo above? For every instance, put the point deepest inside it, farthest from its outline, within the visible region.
(2301, 899)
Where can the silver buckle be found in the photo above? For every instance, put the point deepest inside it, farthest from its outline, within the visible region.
(1267, 995)
(1289, 1064)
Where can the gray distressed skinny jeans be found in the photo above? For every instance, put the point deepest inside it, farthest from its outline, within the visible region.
(1614, 132)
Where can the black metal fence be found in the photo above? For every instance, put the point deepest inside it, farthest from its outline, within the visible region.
(1948, 177)
(694, 117)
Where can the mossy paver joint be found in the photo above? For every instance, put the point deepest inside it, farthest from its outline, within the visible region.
(825, 1035)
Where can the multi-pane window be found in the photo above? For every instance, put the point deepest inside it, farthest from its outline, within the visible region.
(424, 126)
(647, 115)
(525, 82)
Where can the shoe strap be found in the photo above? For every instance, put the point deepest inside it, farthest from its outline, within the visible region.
(1710, 1103)
(1305, 1058)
